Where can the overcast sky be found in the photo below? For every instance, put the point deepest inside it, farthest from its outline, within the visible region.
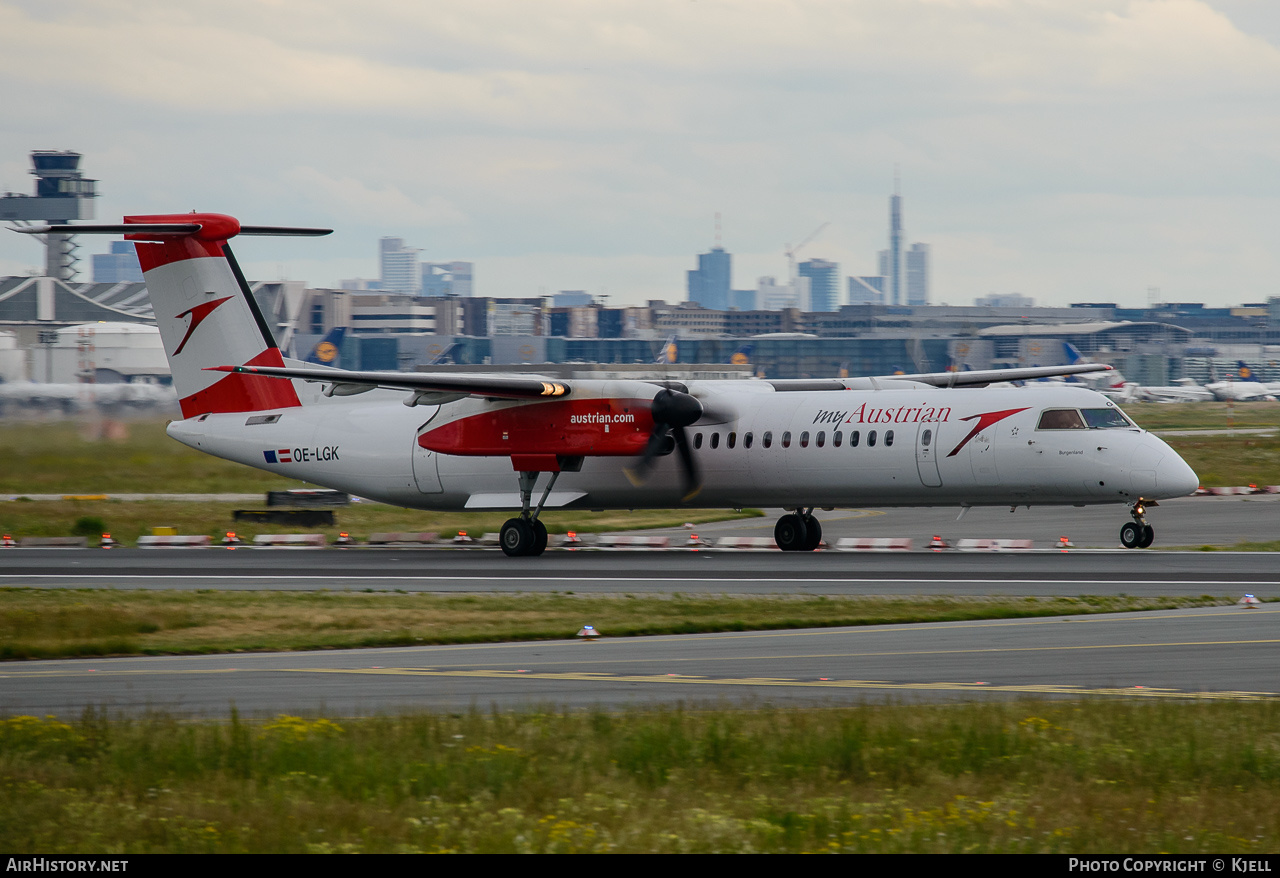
(1069, 150)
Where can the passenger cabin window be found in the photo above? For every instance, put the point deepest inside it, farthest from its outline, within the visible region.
(925, 438)
(697, 440)
(715, 440)
(888, 438)
(822, 438)
(786, 439)
(768, 439)
(871, 438)
(1101, 419)
(733, 439)
(1060, 419)
(853, 438)
(746, 440)
(804, 439)
(836, 437)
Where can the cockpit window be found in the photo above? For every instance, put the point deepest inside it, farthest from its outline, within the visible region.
(1060, 419)
(1104, 418)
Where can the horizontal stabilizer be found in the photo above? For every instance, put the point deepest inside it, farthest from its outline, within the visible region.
(165, 229)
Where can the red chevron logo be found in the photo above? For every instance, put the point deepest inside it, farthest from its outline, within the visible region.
(984, 420)
(198, 314)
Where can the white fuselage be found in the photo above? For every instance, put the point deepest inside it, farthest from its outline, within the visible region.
(915, 445)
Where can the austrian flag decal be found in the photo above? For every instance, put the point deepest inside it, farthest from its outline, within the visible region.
(301, 455)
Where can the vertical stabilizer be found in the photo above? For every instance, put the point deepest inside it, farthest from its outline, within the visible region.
(207, 315)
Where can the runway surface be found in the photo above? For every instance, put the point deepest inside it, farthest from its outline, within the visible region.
(1207, 653)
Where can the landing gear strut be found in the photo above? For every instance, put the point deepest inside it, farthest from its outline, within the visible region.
(527, 535)
(798, 531)
(1137, 534)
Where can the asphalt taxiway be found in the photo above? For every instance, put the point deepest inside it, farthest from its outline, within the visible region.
(1227, 652)
(1214, 653)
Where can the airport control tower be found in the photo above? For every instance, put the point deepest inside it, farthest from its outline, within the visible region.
(63, 194)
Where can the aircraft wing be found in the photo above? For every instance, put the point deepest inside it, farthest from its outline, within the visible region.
(427, 387)
(992, 376)
(432, 388)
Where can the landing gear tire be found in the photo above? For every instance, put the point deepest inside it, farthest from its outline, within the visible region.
(1131, 535)
(539, 538)
(813, 533)
(1148, 537)
(517, 538)
(790, 533)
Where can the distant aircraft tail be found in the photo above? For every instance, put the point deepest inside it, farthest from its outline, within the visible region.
(668, 353)
(1244, 373)
(742, 355)
(328, 349)
(1113, 380)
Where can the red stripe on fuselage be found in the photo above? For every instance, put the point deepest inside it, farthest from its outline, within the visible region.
(239, 392)
(571, 427)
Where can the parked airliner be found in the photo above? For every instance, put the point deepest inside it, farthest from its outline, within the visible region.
(475, 441)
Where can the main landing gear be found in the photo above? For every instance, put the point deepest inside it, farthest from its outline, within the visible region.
(1137, 534)
(798, 531)
(526, 535)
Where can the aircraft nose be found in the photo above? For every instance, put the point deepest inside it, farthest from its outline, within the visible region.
(1174, 477)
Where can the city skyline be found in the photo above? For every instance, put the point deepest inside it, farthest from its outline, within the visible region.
(1064, 150)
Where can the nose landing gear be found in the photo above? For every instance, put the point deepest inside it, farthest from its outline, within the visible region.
(1137, 534)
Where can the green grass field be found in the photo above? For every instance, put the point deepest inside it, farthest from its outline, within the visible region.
(1104, 776)
(127, 520)
(116, 620)
(1205, 415)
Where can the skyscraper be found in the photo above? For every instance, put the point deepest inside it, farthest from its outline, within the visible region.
(866, 290)
(120, 265)
(918, 275)
(905, 272)
(895, 246)
(709, 284)
(399, 266)
(823, 286)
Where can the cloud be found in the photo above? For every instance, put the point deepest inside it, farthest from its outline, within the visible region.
(496, 129)
(357, 202)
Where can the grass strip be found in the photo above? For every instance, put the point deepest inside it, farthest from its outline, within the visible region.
(991, 777)
(55, 623)
(127, 520)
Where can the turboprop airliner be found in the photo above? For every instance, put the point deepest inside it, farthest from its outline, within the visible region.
(526, 442)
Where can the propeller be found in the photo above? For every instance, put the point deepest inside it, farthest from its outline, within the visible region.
(672, 411)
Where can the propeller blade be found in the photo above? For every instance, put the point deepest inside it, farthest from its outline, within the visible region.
(688, 466)
(672, 410)
(652, 449)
